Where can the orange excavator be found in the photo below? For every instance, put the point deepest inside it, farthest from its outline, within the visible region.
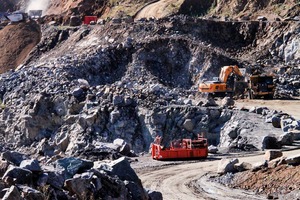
(224, 84)
(180, 149)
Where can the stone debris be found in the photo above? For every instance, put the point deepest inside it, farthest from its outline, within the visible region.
(272, 154)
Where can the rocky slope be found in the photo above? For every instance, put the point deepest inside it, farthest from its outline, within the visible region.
(82, 87)
(104, 78)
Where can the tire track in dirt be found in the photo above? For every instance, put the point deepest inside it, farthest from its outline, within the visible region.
(159, 9)
(188, 181)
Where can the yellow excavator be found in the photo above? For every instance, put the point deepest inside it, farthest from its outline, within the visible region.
(224, 84)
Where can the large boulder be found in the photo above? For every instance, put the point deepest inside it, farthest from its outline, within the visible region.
(30, 194)
(272, 154)
(293, 160)
(121, 167)
(227, 165)
(75, 21)
(137, 192)
(270, 142)
(154, 195)
(12, 194)
(17, 175)
(188, 125)
(227, 101)
(79, 186)
(55, 179)
(3, 167)
(276, 121)
(32, 165)
(122, 146)
(212, 149)
(286, 138)
(243, 166)
(73, 165)
(14, 157)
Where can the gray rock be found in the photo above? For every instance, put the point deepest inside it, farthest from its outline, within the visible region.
(277, 161)
(17, 175)
(270, 142)
(227, 101)
(79, 94)
(188, 125)
(3, 167)
(32, 165)
(154, 195)
(286, 138)
(116, 20)
(293, 160)
(242, 166)
(30, 194)
(123, 147)
(296, 134)
(210, 102)
(118, 100)
(12, 194)
(227, 165)
(121, 168)
(14, 157)
(72, 165)
(212, 149)
(56, 179)
(75, 21)
(136, 190)
(272, 154)
(261, 110)
(259, 166)
(42, 181)
(276, 121)
(79, 186)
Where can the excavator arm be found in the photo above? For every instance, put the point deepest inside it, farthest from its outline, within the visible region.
(227, 71)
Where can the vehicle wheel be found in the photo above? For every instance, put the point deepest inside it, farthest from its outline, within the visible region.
(269, 96)
(250, 94)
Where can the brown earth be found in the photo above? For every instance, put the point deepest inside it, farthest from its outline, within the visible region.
(272, 181)
(16, 42)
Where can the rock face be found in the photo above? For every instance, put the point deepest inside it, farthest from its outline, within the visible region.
(241, 133)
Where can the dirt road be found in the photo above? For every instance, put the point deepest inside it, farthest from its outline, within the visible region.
(291, 107)
(159, 9)
(187, 181)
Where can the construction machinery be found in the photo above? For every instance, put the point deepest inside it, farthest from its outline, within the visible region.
(260, 86)
(224, 84)
(180, 149)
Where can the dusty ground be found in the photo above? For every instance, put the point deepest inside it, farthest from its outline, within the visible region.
(188, 180)
(159, 9)
(16, 42)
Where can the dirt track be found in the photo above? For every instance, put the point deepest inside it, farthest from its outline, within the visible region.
(175, 182)
(158, 9)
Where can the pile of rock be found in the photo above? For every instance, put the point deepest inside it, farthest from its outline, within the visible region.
(240, 133)
(69, 178)
(287, 83)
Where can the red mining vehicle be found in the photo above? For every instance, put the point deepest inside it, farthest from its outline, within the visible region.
(180, 149)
